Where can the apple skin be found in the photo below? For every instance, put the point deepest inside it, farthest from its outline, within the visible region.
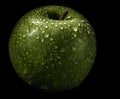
(52, 54)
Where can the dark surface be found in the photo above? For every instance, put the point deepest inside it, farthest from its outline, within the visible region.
(93, 10)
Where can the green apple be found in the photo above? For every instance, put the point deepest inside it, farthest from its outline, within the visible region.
(52, 48)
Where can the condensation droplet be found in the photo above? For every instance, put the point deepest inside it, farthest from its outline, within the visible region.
(52, 64)
(88, 32)
(59, 62)
(65, 23)
(75, 29)
(78, 24)
(68, 17)
(70, 58)
(42, 40)
(52, 23)
(41, 24)
(26, 53)
(62, 37)
(60, 23)
(56, 47)
(51, 58)
(46, 26)
(68, 25)
(82, 20)
(62, 50)
(43, 31)
(44, 87)
(42, 63)
(55, 25)
(44, 20)
(73, 48)
(25, 71)
(58, 57)
(61, 28)
(24, 35)
(27, 30)
(74, 35)
(37, 37)
(46, 35)
(51, 39)
(79, 40)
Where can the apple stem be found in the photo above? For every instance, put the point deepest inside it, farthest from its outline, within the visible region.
(63, 15)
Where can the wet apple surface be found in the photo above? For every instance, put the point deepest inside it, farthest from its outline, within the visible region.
(52, 48)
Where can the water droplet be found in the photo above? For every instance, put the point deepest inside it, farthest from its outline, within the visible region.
(27, 53)
(27, 30)
(73, 48)
(46, 26)
(47, 22)
(56, 47)
(47, 35)
(51, 39)
(76, 62)
(59, 62)
(52, 23)
(25, 71)
(52, 64)
(44, 20)
(70, 58)
(51, 58)
(41, 24)
(78, 24)
(62, 37)
(88, 32)
(79, 40)
(55, 25)
(61, 28)
(65, 23)
(75, 29)
(42, 63)
(44, 87)
(43, 31)
(74, 35)
(37, 37)
(68, 17)
(60, 23)
(58, 57)
(42, 40)
(82, 20)
(68, 25)
(62, 50)
(24, 35)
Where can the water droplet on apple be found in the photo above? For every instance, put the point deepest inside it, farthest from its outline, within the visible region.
(41, 24)
(46, 26)
(44, 20)
(52, 23)
(42, 40)
(60, 23)
(27, 30)
(61, 28)
(62, 50)
(78, 24)
(43, 31)
(55, 25)
(44, 87)
(42, 63)
(37, 37)
(79, 40)
(88, 32)
(58, 57)
(73, 48)
(24, 35)
(46, 35)
(56, 47)
(75, 29)
(52, 64)
(51, 58)
(65, 23)
(26, 53)
(62, 37)
(68, 26)
(82, 21)
(51, 39)
(68, 17)
(74, 35)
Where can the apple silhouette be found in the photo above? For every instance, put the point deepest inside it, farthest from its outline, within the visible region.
(52, 48)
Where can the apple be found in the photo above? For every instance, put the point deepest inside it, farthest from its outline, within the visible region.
(52, 48)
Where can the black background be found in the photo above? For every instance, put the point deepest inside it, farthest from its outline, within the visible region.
(95, 11)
